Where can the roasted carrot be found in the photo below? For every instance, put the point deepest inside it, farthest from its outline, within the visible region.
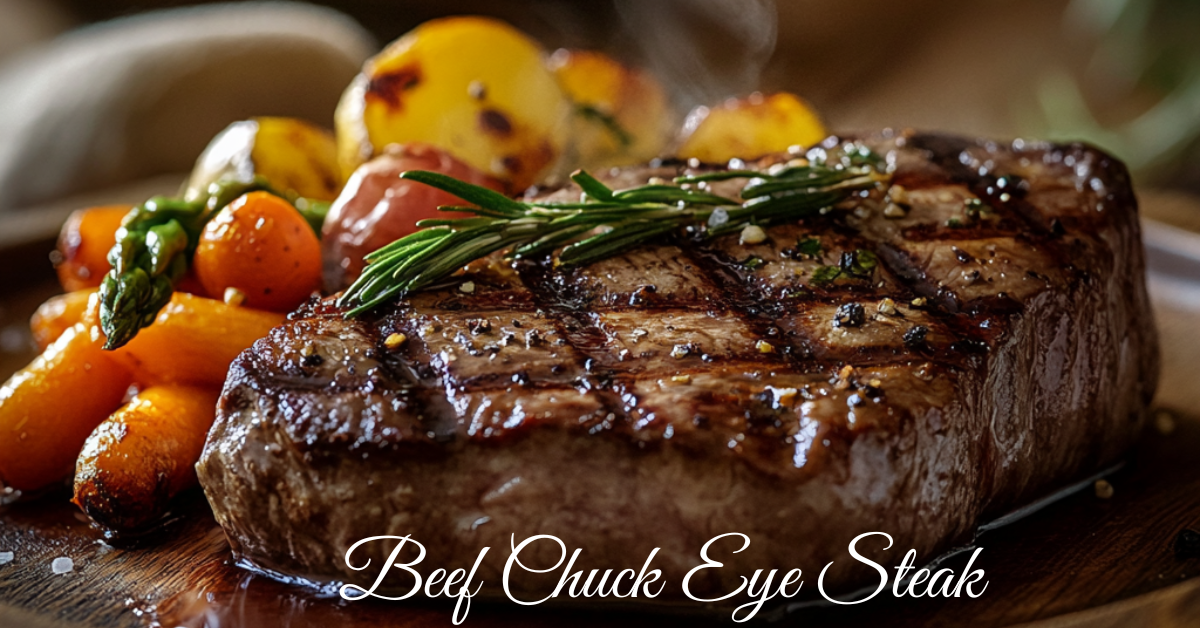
(143, 455)
(57, 315)
(263, 250)
(48, 408)
(193, 340)
(84, 243)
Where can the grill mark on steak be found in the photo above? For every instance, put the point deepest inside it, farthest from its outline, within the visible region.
(1018, 372)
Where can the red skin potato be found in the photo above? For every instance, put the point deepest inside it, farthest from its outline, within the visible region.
(378, 207)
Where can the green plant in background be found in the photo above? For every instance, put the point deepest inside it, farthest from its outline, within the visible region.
(1145, 71)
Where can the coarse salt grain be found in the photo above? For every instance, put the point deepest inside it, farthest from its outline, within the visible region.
(234, 297)
(62, 565)
(753, 234)
(6, 557)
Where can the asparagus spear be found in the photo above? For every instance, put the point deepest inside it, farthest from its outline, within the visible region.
(154, 249)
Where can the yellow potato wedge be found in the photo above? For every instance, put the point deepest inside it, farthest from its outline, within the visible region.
(193, 340)
(620, 116)
(58, 314)
(750, 127)
(474, 87)
(295, 157)
(48, 408)
(143, 455)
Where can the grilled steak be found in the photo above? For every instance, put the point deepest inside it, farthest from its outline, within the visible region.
(913, 362)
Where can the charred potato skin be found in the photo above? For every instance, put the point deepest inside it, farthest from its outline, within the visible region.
(472, 86)
(621, 115)
(750, 127)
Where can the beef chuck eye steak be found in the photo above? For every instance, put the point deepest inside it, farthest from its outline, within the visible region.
(916, 361)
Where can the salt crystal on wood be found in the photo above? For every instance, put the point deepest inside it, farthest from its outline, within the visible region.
(6, 558)
(62, 565)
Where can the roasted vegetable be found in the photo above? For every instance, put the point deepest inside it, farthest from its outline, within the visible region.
(621, 114)
(143, 455)
(377, 206)
(48, 408)
(750, 127)
(475, 87)
(83, 245)
(295, 158)
(153, 251)
(261, 248)
(58, 314)
(154, 247)
(193, 340)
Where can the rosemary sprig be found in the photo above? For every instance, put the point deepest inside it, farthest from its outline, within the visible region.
(605, 222)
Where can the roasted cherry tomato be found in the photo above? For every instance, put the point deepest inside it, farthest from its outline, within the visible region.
(259, 250)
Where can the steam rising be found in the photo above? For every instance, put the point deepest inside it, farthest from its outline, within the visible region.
(702, 50)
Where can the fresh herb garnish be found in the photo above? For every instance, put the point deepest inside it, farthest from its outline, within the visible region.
(630, 217)
(809, 247)
(858, 264)
(752, 263)
(825, 274)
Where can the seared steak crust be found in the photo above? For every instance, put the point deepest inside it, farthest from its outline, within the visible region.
(997, 345)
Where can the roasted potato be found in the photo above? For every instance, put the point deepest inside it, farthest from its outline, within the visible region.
(472, 86)
(193, 340)
(750, 127)
(620, 116)
(83, 244)
(58, 314)
(143, 455)
(260, 248)
(295, 157)
(377, 206)
(48, 408)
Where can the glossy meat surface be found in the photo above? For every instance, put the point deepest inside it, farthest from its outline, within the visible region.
(990, 341)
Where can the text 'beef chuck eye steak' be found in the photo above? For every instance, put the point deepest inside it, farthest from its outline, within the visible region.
(921, 359)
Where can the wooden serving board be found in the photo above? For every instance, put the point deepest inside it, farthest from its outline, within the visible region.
(1082, 561)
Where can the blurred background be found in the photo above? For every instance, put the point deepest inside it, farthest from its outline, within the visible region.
(110, 101)
(1124, 74)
